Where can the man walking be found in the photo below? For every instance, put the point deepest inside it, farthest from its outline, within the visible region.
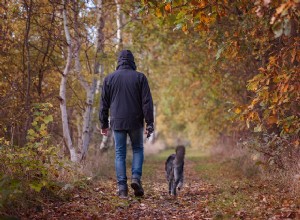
(126, 94)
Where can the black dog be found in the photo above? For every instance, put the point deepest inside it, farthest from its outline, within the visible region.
(174, 170)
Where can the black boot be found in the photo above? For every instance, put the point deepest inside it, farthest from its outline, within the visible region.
(123, 193)
(137, 187)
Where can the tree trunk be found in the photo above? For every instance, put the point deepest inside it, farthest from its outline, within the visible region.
(86, 130)
(28, 7)
(79, 132)
(119, 22)
(62, 90)
(86, 122)
(119, 46)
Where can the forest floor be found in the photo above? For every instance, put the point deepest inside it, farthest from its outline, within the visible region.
(213, 189)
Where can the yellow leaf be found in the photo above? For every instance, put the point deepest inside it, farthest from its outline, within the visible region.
(275, 98)
(237, 110)
(44, 132)
(31, 132)
(158, 13)
(185, 29)
(272, 60)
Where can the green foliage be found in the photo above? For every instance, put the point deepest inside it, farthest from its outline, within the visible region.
(38, 134)
(30, 167)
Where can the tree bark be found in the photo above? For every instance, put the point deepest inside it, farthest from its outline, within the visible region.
(28, 7)
(119, 46)
(62, 90)
(79, 132)
(87, 122)
(77, 48)
(119, 22)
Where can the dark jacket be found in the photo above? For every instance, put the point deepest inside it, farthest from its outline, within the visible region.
(127, 95)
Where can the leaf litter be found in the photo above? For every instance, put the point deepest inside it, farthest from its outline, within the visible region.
(204, 196)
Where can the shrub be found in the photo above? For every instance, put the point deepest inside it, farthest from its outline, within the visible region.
(29, 168)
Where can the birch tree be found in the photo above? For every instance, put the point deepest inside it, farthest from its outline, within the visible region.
(62, 90)
(91, 89)
(119, 46)
(119, 22)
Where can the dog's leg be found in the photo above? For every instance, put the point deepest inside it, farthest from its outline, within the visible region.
(173, 188)
(180, 184)
(177, 178)
(170, 186)
(176, 182)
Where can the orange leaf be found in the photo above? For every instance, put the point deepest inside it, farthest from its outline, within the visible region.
(168, 7)
(204, 18)
(294, 52)
(202, 4)
(285, 88)
(272, 120)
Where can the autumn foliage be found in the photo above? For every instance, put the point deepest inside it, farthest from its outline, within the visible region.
(253, 51)
(222, 73)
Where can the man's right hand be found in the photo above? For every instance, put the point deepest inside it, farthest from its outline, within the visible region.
(104, 131)
(149, 130)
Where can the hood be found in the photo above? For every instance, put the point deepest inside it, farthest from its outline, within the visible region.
(126, 60)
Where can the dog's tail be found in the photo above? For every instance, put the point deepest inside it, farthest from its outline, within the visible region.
(180, 152)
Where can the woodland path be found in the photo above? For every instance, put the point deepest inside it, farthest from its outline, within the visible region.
(212, 190)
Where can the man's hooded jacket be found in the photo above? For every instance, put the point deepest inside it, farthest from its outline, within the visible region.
(126, 94)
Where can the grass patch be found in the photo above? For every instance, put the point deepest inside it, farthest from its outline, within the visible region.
(162, 156)
(234, 180)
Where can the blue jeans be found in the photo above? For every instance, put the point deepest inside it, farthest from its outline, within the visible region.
(136, 137)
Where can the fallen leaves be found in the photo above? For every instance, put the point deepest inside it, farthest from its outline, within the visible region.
(211, 197)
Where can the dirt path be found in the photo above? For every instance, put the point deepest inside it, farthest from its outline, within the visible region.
(98, 200)
(212, 190)
(158, 204)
